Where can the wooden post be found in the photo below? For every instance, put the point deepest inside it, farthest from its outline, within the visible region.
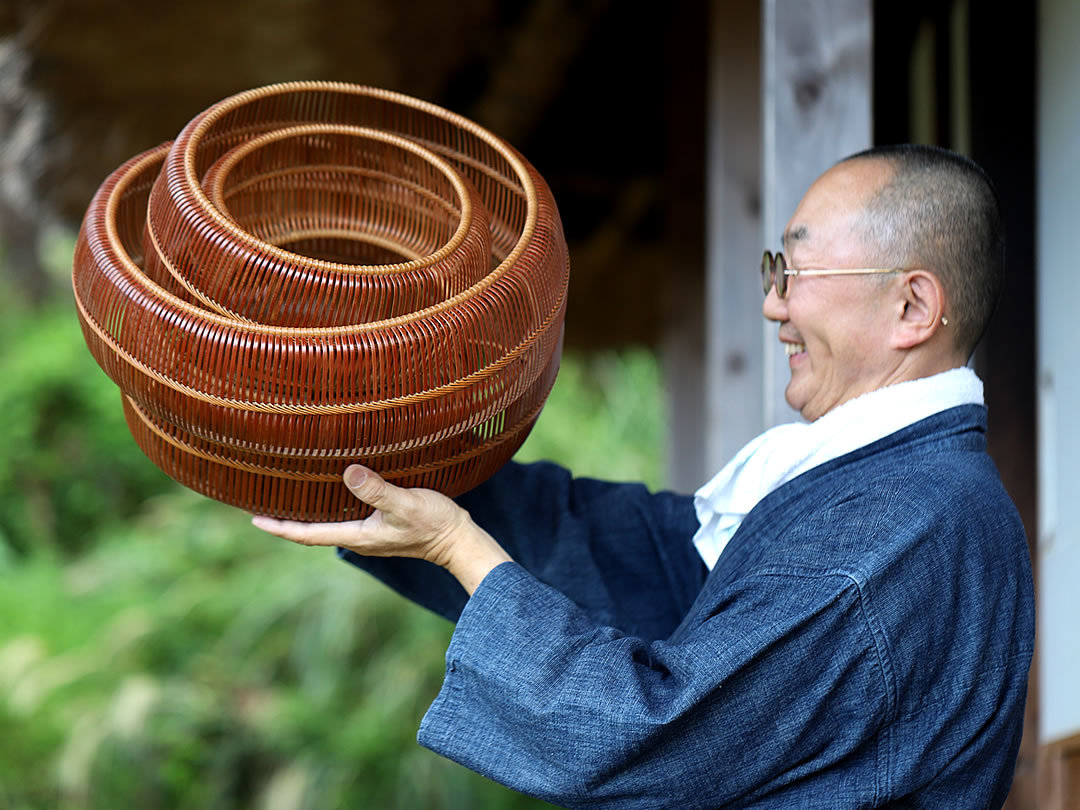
(1042, 324)
(682, 298)
(733, 392)
(817, 109)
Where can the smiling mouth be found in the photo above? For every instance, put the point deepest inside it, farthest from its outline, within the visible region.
(794, 348)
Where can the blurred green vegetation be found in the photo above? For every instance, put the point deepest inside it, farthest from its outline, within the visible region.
(158, 652)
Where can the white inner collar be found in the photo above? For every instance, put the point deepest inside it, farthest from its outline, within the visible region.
(786, 451)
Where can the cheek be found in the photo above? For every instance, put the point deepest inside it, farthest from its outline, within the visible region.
(850, 326)
(818, 328)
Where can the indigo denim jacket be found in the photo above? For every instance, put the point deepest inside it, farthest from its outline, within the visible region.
(863, 641)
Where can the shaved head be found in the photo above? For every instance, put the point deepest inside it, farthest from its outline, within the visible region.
(939, 212)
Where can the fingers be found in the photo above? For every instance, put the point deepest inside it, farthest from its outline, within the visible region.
(308, 534)
(406, 522)
(365, 484)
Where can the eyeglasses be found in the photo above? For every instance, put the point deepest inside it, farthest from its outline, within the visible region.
(774, 270)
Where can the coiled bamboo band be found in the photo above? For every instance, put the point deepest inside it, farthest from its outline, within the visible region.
(314, 274)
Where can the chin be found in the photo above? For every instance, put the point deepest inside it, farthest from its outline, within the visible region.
(803, 408)
(793, 402)
(802, 412)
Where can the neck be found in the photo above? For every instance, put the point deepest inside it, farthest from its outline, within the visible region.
(924, 361)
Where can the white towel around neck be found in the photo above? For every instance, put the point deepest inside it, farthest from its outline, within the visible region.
(785, 451)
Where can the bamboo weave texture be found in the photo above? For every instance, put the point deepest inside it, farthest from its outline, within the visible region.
(314, 274)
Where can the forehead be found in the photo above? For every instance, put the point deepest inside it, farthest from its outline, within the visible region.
(827, 214)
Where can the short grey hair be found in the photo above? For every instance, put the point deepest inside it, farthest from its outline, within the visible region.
(939, 212)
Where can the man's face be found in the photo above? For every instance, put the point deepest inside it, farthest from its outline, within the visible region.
(835, 328)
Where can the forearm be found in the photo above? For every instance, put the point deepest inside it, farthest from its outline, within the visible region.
(624, 555)
(620, 552)
(541, 698)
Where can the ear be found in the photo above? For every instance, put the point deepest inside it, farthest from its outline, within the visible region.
(920, 306)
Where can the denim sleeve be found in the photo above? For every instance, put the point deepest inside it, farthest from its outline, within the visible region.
(621, 553)
(777, 681)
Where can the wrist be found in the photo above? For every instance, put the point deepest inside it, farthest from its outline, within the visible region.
(475, 557)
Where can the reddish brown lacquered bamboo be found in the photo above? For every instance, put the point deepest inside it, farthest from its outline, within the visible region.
(315, 274)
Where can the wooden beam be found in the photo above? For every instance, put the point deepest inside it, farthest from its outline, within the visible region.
(817, 109)
(533, 64)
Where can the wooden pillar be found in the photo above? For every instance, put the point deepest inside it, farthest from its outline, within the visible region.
(733, 392)
(1043, 43)
(1002, 141)
(817, 109)
(682, 296)
(789, 93)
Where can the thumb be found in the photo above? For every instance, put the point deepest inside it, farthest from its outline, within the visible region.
(367, 485)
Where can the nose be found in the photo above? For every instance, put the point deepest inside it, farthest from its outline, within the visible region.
(775, 307)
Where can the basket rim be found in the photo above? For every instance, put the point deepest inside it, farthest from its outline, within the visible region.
(192, 134)
(238, 153)
(225, 165)
(161, 153)
(122, 263)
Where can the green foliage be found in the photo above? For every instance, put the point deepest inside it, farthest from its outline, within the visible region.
(61, 418)
(603, 418)
(156, 651)
(190, 661)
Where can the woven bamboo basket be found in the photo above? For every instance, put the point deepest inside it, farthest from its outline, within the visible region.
(314, 274)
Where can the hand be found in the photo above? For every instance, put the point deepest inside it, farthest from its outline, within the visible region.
(417, 523)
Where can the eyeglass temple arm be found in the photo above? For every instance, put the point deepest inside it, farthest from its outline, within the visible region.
(844, 271)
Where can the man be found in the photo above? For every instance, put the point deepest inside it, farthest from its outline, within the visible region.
(852, 623)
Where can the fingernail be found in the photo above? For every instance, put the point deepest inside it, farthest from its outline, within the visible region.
(355, 476)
